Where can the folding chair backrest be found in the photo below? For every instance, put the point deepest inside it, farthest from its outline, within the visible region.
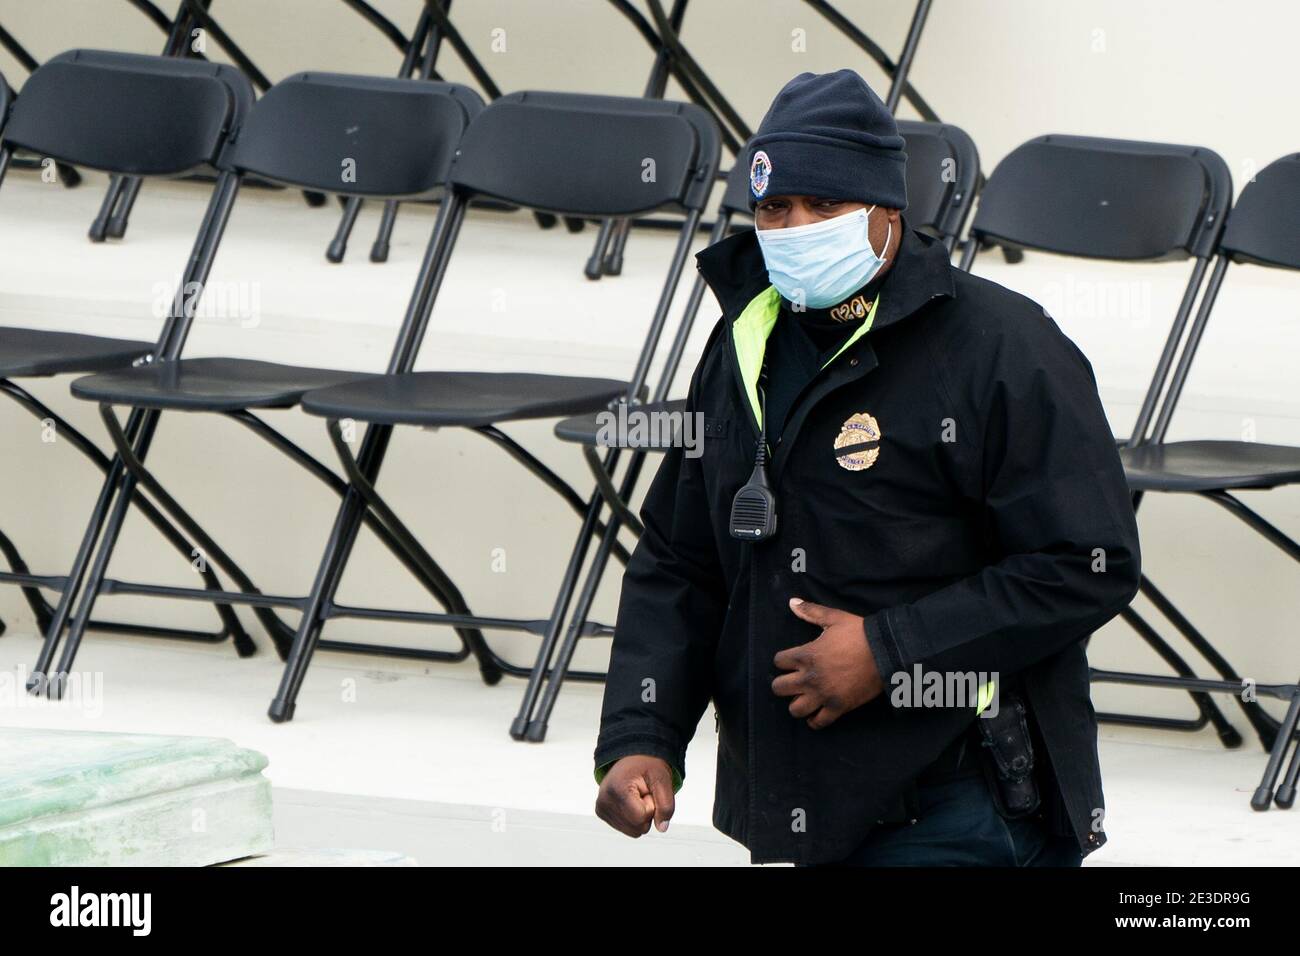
(127, 113)
(1263, 228)
(1106, 199)
(6, 101)
(356, 135)
(943, 168)
(1264, 225)
(586, 155)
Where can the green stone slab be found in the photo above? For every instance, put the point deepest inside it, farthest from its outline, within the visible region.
(72, 798)
(328, 857)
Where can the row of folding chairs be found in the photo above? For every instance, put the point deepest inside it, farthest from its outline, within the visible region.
(161, 117)
(659, 26)
(148, 116)
(1072, 196)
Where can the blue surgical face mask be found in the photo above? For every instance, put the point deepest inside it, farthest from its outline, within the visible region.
(823, 263)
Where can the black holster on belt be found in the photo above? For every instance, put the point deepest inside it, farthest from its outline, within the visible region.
(1009, 758)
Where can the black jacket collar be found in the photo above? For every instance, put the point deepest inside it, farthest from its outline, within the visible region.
(735, 271)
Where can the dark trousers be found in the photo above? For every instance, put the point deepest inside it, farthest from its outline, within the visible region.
(959, 825)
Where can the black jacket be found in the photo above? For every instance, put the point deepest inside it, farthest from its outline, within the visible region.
(992, 533)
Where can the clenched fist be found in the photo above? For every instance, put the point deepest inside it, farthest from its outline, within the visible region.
(831, 675)
(637, 791)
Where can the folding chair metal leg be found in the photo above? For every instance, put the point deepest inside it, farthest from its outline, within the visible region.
(35, 600)
(99, 227)
(430, 575)
(116, 226)
(686, 64)
(15, 49)
(384, 237)
(613, 264)
(76, 576)
(319, 605)
(132, 460)
(907, 56)
(526, 724)
(549, 478)
(612, 496)
(559, 613)
(111, 221)
(582, 609)
(115, 210)
(338, 246)
(1209, 711)
(1264, 796)
(607, 259)
(596, 261)
(879, 56)
(1285, 797)
(411, 56)
(347, 522)
(44, 611)
(471, 636)
(1266, 728)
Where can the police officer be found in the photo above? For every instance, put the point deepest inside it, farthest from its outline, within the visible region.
(908, 517)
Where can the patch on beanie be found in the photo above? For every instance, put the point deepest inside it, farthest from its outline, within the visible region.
(760, 172)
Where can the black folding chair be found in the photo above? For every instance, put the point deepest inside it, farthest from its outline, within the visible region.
(349, 135)
(181, 30)
(942, 173)
(136, 115)
(1123, 201)
(1264, 230)
(569, 154)
(68, 175)
(419, 61)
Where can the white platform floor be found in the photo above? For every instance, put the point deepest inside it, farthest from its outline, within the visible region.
(421, 764)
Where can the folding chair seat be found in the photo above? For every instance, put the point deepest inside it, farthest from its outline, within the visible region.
(1263, 229)
(37, 353)
(122, 114)
(590, 429)
(207, 385)
(560, 153)
(1210, 465)
(467, 399)
(354, 136)
(1128, 202)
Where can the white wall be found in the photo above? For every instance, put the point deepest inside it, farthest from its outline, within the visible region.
(1191, 71)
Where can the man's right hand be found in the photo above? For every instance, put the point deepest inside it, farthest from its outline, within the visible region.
(636, 791)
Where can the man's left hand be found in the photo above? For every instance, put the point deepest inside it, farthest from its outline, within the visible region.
(831, 675)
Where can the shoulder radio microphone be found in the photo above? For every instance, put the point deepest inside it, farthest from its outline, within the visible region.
(753, 510)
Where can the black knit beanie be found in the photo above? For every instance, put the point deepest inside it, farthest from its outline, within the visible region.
(828, 135)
